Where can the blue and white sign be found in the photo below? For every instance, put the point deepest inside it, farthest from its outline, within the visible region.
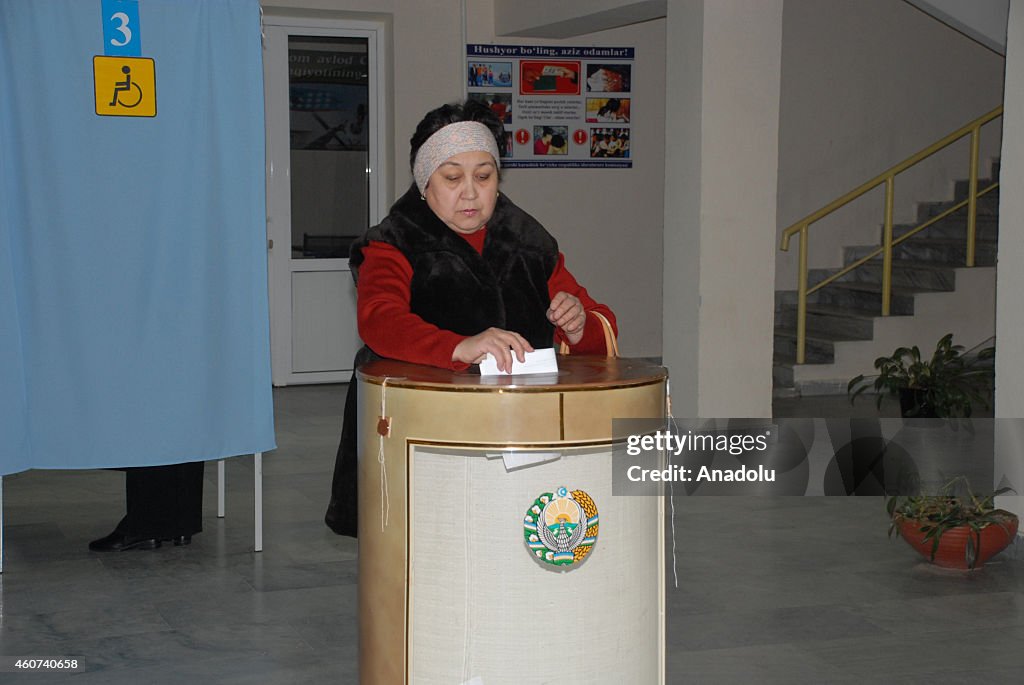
(122, 33)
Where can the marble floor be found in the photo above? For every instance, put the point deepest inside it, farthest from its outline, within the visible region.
(770, 589)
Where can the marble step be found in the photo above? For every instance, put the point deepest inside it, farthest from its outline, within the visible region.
(907, 274)
(866, 297)
(782, 373)
(960, 189)
(913, 276)
(837, 323)
(940, 251)
(988, 205)
(817, 350)
(953, 226)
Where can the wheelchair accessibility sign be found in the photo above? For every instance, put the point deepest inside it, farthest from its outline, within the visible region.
(125, 86)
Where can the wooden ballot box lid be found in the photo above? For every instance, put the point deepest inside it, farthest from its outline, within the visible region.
(575, 372)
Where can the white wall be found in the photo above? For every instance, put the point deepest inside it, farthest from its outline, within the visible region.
(982, 20)
(543, 18)
(865, 84)
(725, 62)
(684, 102)
(1010, 279)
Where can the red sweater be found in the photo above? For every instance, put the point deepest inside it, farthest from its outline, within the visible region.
(391, 330)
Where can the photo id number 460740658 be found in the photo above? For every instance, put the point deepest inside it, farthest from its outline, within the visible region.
(15, 664)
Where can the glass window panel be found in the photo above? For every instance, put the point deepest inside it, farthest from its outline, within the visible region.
(328, 87)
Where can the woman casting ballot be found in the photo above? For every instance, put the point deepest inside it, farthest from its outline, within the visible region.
(457, 271)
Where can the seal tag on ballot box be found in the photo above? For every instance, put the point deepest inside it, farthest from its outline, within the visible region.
(560, 528)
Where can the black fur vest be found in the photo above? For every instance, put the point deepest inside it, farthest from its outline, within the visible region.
(459, 290)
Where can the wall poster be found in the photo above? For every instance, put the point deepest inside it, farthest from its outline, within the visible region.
(562, 106)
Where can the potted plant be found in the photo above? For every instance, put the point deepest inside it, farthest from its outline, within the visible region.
(953, 530)
(949, 384)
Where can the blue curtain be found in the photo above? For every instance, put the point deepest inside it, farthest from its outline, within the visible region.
(133, 291)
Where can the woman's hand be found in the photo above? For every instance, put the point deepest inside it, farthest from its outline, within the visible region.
(566, 312)
(500, 343)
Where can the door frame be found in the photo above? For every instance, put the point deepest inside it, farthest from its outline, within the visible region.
(277, 27)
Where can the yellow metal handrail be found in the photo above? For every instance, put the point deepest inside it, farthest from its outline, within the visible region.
(888, 177)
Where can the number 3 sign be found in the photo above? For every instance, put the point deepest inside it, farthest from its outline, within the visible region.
(121, 31)
(124, 82)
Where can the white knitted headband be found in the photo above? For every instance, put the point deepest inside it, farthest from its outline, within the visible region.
(453, 139)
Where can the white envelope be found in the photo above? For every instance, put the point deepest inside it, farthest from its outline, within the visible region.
(538, 361)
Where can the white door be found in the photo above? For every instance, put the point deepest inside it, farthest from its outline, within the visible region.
(325, 186)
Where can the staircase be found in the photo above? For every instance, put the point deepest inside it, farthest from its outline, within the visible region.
(933, 294)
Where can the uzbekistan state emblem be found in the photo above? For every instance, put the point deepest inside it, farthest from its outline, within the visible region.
(561, 527)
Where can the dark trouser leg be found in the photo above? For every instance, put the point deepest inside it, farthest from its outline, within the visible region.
(342, 512)
(164, 502)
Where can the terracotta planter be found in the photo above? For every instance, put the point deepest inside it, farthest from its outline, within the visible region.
(952, 551)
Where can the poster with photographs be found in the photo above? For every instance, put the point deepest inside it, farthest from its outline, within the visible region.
(561, 106)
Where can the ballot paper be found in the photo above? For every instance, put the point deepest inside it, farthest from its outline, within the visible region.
(514, 459)
(538, 361)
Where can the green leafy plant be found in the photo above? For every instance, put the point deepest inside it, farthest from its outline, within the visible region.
(950, 383)
(937, 514)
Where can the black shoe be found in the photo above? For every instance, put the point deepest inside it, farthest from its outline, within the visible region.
(180, 540)
(119, 541)
(338, 521)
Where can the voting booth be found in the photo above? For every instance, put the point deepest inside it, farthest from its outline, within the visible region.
(491, 548)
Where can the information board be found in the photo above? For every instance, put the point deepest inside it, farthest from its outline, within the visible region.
(561, 106)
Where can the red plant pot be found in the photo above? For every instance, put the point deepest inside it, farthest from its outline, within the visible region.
(952, 551)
